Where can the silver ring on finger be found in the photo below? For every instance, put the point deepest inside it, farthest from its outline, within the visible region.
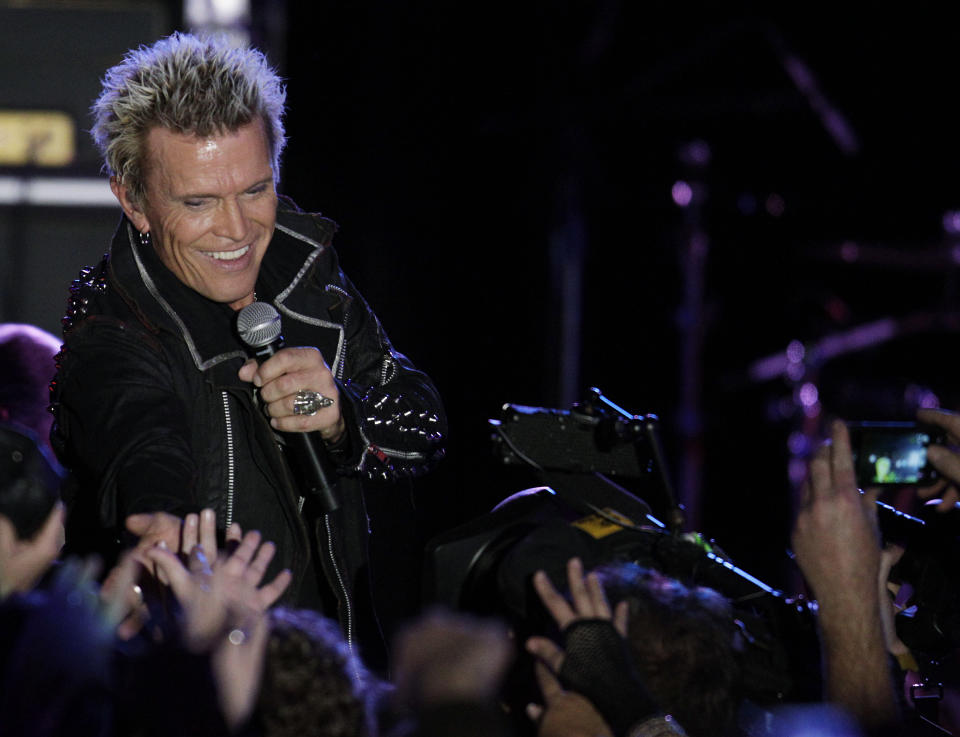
(309, 403)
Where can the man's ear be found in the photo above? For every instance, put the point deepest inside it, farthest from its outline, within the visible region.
(130, 207)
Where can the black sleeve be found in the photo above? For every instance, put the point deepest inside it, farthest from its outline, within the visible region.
(393, 410)
(120, 426)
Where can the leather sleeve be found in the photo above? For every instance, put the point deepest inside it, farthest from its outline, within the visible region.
(119, 425)
(393, 410)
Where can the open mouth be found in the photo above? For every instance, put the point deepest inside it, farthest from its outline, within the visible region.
(229, 255)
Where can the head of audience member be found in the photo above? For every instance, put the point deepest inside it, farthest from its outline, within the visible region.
(26, 368)
(31, 514)
(684, 641)
(312, 683)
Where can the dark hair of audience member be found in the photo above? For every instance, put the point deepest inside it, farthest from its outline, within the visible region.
(26, 368)
(683, 639)
(312, 683)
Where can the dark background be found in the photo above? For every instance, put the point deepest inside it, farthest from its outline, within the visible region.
(466, 149)
(453, 142)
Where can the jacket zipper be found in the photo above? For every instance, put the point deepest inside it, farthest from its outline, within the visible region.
(348, 608)
(230, 459)
(346, 315)
(329, 546)
(343, 588)
(341, 368)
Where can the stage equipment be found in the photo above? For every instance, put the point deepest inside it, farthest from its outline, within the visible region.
(485, 565)
(589, 446)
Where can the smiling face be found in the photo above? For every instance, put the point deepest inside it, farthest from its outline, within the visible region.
(210, 207)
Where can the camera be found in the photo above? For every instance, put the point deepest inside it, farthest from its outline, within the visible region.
(893, 453)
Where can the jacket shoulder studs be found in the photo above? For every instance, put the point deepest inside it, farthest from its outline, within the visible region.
(91, 282)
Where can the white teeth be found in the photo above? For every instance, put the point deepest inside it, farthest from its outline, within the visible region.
(229, 255)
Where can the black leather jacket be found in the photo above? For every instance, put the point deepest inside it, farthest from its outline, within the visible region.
(150, 415)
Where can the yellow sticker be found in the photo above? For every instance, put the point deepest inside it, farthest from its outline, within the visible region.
(36, 138)
(597, 526)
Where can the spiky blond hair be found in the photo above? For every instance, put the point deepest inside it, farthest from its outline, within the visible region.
(189, 84)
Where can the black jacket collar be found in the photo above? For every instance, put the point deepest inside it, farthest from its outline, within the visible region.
(164, 303)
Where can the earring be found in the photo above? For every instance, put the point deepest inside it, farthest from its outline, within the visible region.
(145, 238)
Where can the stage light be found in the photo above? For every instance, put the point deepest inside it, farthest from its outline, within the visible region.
(951, 222)
(231, 17)
(809, 396)
(682, 193)
(775, 205)
(796, 351)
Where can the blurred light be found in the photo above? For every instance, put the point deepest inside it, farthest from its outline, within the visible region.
(695, 153)
(228, 17)
(797, 471)
(775, 205)
(795, 371)
(917, 395)
(815, 720)
(809, 395)
(849, 251)
(57, 191)
(747, 204)
(216, 12)
(682, 193)
(951, 222)
(914, 459)
(227, 12)
(838, 309)
(795, 351)
(812, 411)
(798, 444)
(32, 138)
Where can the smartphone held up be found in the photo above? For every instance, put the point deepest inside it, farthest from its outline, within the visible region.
(893, 453)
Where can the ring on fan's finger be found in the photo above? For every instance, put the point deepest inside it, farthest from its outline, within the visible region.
(309, 403)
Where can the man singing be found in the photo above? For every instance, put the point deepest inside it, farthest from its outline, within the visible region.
(159, 411)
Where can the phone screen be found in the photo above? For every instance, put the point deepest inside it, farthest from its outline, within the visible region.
(892, 452)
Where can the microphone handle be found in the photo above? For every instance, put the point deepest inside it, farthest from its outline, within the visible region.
(316, 469)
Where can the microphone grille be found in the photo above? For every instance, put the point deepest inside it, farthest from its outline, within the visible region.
(258, 324)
